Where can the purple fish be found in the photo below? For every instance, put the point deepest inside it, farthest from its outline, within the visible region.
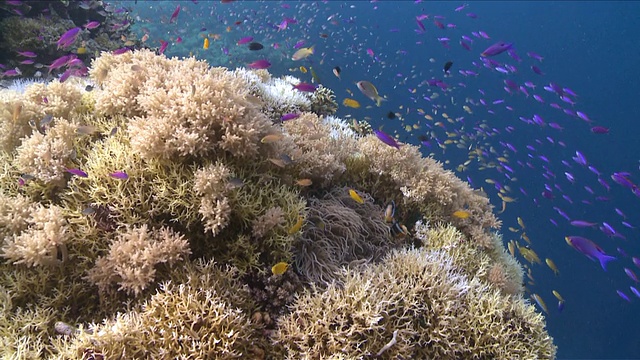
(305, 87)
(77, 172)
(387, 139)
(91, 25)
(631, 275)
(589, 249)
(163, 46)
(623, 296)
(29, 54)
(635, 291)
(68, 38)
(536, 70)
(119, 175)
(290, 116)
(174, 16)
(582, 223)
(496, 49)
(599, 130)
(259, 64)
(560, 306)
(299, 44)
(245, 40)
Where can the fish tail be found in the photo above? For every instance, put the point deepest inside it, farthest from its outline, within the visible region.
(379, 100)
(604, 259)
(312, 49)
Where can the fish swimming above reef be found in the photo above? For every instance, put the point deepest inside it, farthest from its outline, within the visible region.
(370, 91)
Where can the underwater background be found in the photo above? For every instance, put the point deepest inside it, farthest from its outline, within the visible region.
(520, 150)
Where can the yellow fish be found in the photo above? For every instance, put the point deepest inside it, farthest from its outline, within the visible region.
(297, 226)
(354, 195)
(81, 50)
(303, 69)
(206, 43)
(279, 268)
(557, 295)
(351, 103)
(540, 302)
(461, 214)
(552, 266)
(512, 248)
(506, 198)
(271, 138)
(529, 255)
(520, 222)
(370, 91)
(302, 53)
(304, 182)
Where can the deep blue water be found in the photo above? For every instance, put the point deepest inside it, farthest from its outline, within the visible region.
(590, 47)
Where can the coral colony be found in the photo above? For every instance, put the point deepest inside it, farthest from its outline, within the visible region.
(176, 210)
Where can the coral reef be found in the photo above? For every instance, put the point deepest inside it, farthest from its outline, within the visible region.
(140, 217)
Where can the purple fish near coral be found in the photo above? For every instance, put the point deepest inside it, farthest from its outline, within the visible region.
(386, 138)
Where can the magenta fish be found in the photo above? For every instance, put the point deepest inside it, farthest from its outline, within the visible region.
(386, 138)
(599, 130)
(30, 54)
(497, 48)
(91, 25)
(174, 16)
(589, 249)
(163, 45)
(119, 175)
(68, 38)
(245, 40)
(305, 87)
(77, 172)
(259, 64)
(290, 116)
(121, 51)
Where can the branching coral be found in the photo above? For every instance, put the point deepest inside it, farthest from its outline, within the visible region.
(42, 242)
(319, 146)
(423, 182)
(340, 232)
(133, 257)
(434, 311)
(496, 267)
(45, 156)
(181, 107)
(203, 317)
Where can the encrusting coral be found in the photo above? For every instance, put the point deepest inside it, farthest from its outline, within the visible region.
(147, 217)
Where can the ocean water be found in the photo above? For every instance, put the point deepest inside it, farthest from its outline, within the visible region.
(472, 114)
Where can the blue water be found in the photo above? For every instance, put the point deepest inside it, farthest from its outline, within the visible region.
(590, 47)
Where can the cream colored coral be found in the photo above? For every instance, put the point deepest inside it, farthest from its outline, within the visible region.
(14, 214)
(42, 242)
(318, 147)
(179, 107)
(273, 217)
(420, 296)
(133, 257)
(212, 183)
(45, 156)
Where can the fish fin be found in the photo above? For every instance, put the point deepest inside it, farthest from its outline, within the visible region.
(604, 259)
